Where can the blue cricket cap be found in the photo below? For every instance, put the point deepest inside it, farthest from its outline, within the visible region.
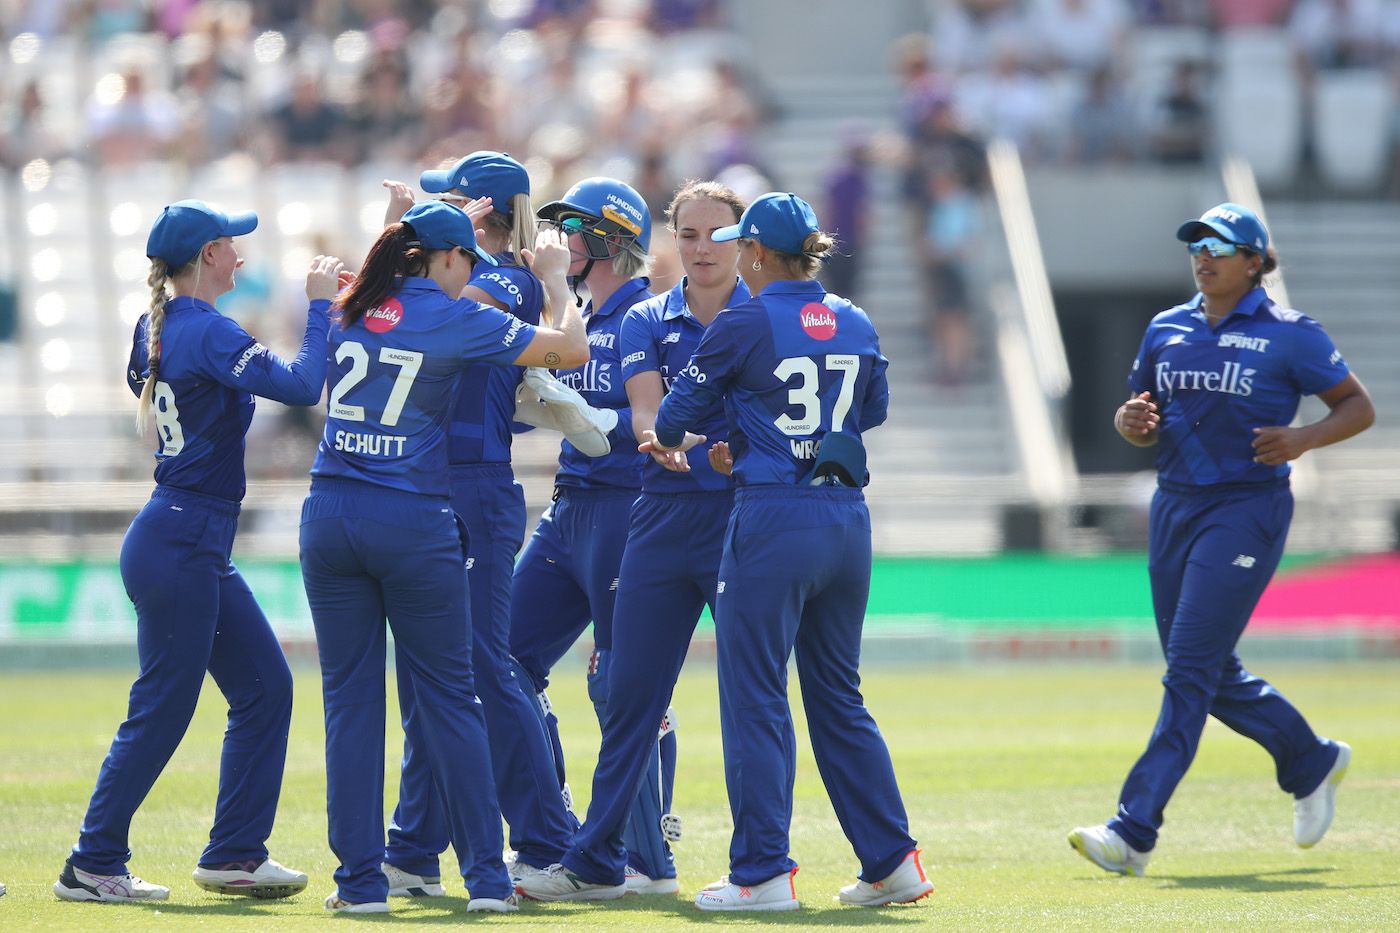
(184, 227)
(483, 174)
(441, 226)
(779, 220)
(1233, 223)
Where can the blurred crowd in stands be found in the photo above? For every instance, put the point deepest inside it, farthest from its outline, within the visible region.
(642, 89)
(1065, 81)
(653, 91)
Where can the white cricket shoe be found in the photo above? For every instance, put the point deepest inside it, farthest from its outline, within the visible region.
(2, 889)
(1312, 815)
(494, 905)
(518, 870)
(74, 884)
(905, 885)
(266, 879)
(638, 883)
(777, 893)
(407, 884)
(1106, 849)
(339, 905)
(557, 883)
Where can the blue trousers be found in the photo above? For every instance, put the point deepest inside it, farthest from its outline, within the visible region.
(194, 614)
(568, 575)
(492, 506)
(796, 575)
(368, 554)
(1211, 556)
(669, 572)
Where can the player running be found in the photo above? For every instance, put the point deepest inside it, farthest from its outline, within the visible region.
(197, 373)
(802, 377)
(669, 571)
(379, 539)
(1215, 384)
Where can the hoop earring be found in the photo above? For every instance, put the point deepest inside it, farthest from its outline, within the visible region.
(757, 266)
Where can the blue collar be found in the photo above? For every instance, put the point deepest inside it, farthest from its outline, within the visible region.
(794, 287)
(676, 306)
(1248, 306)
(181, 302)
(675, 303)
(419, 283)
(624, 297)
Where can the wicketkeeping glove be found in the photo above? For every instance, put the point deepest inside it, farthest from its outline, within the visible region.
(545, 402)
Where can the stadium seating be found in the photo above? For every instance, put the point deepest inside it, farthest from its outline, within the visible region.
(1352, 123)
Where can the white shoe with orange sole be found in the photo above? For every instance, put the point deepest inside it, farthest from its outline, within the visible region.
(777, 893)
(905, 885)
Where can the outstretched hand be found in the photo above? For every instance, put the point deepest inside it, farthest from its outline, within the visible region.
(721, 460)
(672, 458)
(400, 200)
(323, 278)
(478, 209)
(550, 255)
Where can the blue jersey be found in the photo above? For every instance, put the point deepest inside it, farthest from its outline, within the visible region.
(793, 364)
(480, 430)
(1213, 386)
(599, 381)
(394, 375)
(660, 335)
(210, 369)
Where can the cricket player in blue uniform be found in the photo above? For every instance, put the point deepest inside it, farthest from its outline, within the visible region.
(197, 372)
(670, 568)
(802, 377)
(491, 503)
(568, 573)
(379, 539)
(1215, 385)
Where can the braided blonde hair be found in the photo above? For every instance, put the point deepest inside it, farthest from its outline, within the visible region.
(157, 278)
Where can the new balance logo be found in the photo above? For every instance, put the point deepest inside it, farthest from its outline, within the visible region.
(613, 587)
(673, 337)
(1244, 560)
(720, 588)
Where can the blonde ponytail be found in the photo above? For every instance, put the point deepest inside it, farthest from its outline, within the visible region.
(155, 323)
(522, 232)
(522, 236)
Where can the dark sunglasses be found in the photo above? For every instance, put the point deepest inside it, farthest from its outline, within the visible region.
(1215, 246)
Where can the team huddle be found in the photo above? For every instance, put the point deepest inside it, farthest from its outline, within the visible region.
(719, 419)
(712, 456)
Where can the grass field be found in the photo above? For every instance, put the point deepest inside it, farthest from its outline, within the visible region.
(995, 764)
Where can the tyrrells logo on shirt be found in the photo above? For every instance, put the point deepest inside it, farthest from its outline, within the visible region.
(593, 376)
(1231, 378)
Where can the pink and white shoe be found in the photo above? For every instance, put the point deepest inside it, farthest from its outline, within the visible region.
(74, 884)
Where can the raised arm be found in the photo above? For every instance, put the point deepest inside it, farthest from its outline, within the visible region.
(565, 345)
(238, 361)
